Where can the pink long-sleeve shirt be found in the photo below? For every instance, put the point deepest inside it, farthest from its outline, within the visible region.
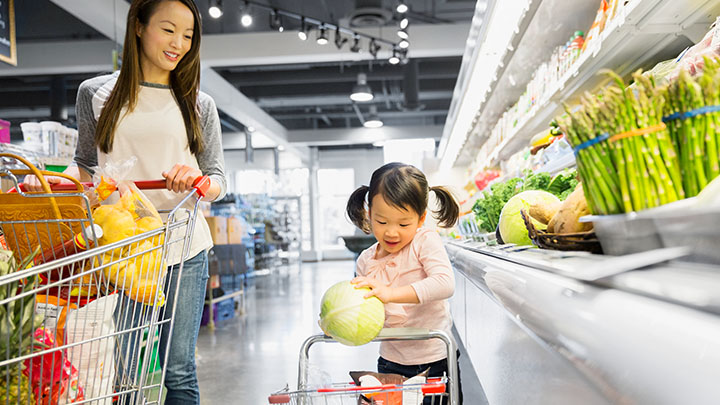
(424, 265)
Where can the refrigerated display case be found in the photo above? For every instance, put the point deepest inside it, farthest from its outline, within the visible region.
(543, 326)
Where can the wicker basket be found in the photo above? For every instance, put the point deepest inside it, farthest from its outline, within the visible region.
(576, 242)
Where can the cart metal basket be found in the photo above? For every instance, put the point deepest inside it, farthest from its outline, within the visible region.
(435, 391)
(82, 338)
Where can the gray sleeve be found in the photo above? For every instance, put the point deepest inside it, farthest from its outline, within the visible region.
(86, 151)
(211, 160)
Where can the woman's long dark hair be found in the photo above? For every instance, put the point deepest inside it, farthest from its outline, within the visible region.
(405, 187)
(184, 79)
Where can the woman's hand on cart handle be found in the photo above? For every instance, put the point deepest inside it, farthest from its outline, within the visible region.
(183, 178)
(31, 183)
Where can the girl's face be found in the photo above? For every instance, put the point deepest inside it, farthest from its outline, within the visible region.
(394, 228)
(165, 39)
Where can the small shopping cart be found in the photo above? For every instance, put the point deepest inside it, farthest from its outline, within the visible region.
(72, 329)
(435, 391)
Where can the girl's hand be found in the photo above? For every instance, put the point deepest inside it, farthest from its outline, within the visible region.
(377, 289)
(181, 177)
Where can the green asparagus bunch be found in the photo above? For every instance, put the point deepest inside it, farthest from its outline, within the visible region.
(628, 173)
(695, 138)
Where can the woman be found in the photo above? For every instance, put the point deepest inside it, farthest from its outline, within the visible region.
(153, 109)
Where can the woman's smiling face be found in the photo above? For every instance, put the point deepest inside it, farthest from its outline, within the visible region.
(165, 39)
(393, 227)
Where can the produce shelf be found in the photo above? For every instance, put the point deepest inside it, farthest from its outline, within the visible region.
(642, 34)
(639, 37)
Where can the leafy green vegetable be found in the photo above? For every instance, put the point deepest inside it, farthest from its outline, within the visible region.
(348, 317)
(487, 209)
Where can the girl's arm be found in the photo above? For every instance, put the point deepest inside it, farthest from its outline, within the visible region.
(440, 281)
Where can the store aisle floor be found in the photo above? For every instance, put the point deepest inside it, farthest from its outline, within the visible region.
(252, 355)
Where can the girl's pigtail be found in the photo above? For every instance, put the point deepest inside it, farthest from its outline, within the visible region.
(448, 212)
(356, 209)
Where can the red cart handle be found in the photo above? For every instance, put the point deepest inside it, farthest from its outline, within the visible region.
(201, 184)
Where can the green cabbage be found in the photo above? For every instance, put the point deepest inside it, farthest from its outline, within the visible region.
(512, 227)
(348, 317)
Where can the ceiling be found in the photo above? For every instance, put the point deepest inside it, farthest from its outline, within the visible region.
(299, 96)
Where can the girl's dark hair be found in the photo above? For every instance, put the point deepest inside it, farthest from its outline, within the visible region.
(184, 79)
(405, 187)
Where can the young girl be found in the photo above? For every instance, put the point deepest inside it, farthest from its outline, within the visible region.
(408, 268)
(153, 109)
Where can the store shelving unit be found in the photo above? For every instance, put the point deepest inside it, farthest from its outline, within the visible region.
(582, 328)
(580, 342)
(635, 39)
(642, 34)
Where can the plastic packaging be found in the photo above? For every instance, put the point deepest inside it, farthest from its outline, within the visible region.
(52, 376)
(693, 59)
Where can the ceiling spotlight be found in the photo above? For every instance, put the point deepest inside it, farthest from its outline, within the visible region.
(404, 23)
(276, 21)
(339, 40)
(404, 43)
(394, 59)
(215, 9)
(322, 36)
(303, 34)
(356, 44)
(403, 34)
(250, 128)
(373, 120)
(373, 48)
(246, 19)
(362, 93)
(402, 8)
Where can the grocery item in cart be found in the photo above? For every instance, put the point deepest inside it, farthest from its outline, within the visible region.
(16, 330)
(348, 317)
(93, 360)
(54, 379)
(399, 397)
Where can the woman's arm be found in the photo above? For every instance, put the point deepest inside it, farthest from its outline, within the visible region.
(211, 160)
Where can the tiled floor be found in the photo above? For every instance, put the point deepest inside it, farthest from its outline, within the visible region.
(252, 355)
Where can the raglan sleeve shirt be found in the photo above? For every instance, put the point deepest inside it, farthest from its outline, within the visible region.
(424, 265)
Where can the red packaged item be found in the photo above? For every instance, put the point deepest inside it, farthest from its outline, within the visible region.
(52, 376)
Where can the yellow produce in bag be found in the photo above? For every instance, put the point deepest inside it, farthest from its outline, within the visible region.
(139, 268)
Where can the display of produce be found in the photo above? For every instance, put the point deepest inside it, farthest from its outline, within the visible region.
(541, 204)
(348, 317)
(487, 209)
(647, 145)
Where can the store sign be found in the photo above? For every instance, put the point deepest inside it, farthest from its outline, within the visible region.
(8, 50)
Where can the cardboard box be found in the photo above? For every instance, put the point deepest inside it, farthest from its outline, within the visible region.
(236, 231)
(218, 229)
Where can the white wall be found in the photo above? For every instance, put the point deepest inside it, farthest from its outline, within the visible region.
(363, 161)
(264, 160)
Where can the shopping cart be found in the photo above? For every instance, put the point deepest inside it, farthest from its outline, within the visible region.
(434, 389)
(69, 331)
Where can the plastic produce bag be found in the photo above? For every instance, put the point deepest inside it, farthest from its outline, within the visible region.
(693, 59)
(136, 269)
(53, 378)
(94, 359)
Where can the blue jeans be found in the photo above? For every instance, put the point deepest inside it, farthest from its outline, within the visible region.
(180, 374)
